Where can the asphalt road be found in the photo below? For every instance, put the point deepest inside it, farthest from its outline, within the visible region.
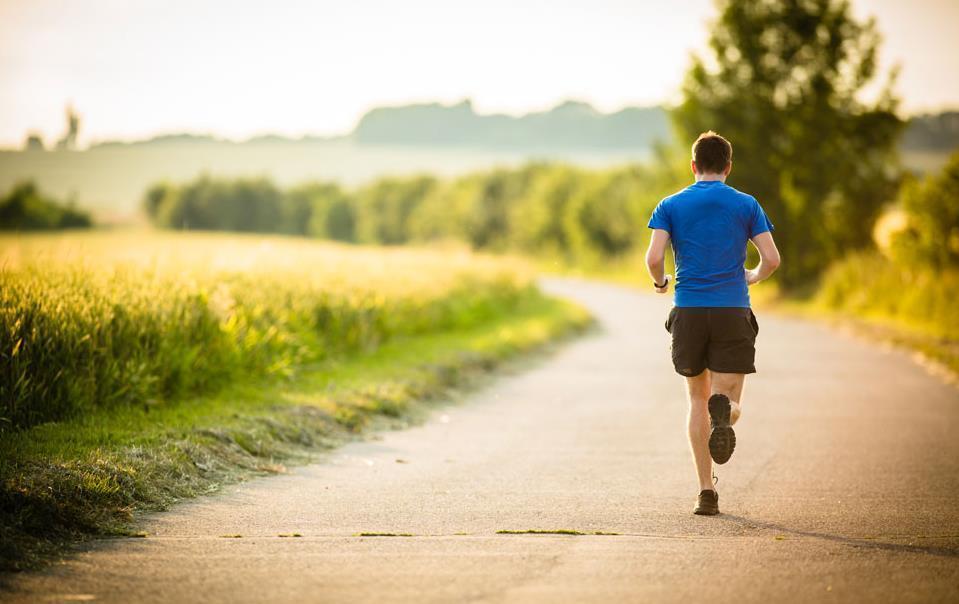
(844, 487)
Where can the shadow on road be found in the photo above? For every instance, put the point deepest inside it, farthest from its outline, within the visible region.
(866, 543)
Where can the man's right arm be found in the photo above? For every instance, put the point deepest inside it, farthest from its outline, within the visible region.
(769, 259)
(656, 259)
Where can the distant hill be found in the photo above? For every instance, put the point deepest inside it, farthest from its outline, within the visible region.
(163, 139)
(571, 125)
(186, 138)
(932, 132)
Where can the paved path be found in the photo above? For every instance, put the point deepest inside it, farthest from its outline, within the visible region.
(844, 487)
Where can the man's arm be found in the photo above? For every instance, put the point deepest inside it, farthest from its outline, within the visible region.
(768, 258)
(656, 258)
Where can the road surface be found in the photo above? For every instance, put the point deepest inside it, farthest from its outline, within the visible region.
(844, 487)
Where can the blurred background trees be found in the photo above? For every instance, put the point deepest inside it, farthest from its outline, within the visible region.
(26, 208)
(784, 81)
(784, 84)
(551, 210)
(930, 235)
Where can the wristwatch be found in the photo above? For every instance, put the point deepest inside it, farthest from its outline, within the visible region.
(664, 284)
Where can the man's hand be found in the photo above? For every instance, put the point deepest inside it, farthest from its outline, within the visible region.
(665, 287)
(752, 277)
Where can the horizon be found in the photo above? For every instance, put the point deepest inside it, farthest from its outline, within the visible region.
(322, 136)
(115, 65)
(213, 136)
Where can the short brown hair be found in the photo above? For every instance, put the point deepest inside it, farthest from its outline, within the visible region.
(712, 153)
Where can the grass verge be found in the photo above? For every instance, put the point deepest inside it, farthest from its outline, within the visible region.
(552, 532)
(64, 482)
(911, 307)
(937, 353)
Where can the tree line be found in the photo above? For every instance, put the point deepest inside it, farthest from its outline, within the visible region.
(559, 210)
(782, 81)
(581, 216)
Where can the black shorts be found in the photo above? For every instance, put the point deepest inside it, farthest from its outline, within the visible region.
(718, 339)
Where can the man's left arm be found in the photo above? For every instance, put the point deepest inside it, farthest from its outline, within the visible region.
(769, 259)
(656, 259)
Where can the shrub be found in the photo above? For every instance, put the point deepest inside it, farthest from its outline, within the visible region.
(931, 234)
(25, 208)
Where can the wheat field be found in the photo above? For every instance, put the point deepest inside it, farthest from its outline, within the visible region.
(92, 321)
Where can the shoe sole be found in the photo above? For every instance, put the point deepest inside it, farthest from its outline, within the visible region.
(722, 438)
(706, 512)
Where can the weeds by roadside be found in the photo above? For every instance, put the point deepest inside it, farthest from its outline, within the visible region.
(68, 481)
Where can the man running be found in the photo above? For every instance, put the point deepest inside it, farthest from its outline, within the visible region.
(711, 323)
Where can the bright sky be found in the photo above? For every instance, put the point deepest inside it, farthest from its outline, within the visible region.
(135, 68)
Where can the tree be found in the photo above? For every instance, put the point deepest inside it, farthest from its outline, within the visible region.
(26, 208)
(385, 206)
(931, 235)
(153, 198)
(536, 220)
(784, 85)
(34, 142)
(332, 211)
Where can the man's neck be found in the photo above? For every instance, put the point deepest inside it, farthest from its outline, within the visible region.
(710, 177)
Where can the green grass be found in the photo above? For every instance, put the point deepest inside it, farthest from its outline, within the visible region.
(107, 320)
(87, 476)
(551, 532)
(910, 307)
(540, 532)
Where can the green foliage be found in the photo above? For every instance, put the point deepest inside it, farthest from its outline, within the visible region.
(910, 297)
(869, 285)
(77, 337)
(87, 476)
(383, 209)
(545, 209)
(490, 210)
(931, 235)
(25, 208)
(782, 84)
(328, 212)
(244, 205)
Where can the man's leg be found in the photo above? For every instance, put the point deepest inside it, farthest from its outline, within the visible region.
(698, 390)
(726, 389)
(731, 385)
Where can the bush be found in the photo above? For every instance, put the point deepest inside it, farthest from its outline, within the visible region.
(25, 208)
(544, 209)
(244, 205)
(931, 235)
(870, 285)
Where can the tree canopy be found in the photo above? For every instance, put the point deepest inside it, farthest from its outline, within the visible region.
(784, 83)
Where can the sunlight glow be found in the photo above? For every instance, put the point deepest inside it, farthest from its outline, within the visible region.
(237, 69)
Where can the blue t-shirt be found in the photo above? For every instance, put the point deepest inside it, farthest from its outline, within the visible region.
(709, 223)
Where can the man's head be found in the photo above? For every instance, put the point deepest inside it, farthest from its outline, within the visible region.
(712, 154)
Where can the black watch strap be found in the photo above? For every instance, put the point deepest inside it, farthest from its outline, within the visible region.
(658, 286)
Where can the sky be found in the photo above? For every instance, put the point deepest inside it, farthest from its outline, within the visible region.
(239, 68)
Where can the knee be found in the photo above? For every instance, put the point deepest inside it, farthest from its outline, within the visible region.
(727, 392)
